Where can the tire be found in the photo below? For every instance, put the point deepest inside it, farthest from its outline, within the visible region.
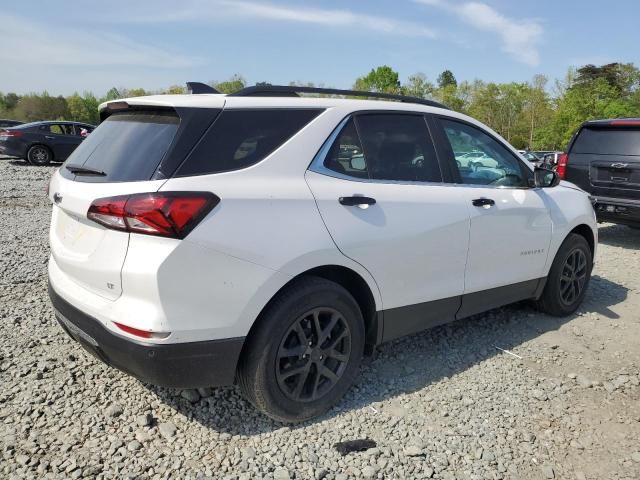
(568, 278)
(288, 328)
(39, 155)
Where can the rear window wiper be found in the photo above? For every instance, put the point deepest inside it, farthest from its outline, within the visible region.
(78, 170)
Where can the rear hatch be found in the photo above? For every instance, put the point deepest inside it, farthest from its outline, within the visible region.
(611, 151)
(132, 151)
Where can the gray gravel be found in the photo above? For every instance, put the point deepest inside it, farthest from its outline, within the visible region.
(444, 404)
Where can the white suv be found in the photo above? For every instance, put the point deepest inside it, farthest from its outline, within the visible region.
(268, 239)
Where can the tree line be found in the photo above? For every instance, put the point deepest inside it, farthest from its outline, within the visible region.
(537, 115)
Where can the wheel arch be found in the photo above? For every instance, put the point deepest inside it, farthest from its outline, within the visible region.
(349, 279)
(40, 144)
(585, 231)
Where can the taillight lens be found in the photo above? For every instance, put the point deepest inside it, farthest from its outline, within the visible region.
(563, 159)
(10, 133)
(625, 122)
(167, 214)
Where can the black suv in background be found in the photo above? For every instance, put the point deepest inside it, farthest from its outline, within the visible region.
(43, 142)
(603, 158)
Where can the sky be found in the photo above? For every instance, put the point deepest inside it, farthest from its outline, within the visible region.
(65, 46)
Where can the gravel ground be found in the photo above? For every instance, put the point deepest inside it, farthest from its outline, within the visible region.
(444, 404)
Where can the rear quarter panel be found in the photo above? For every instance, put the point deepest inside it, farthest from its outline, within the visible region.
(267, 222)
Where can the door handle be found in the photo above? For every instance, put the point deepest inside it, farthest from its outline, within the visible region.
(357, 201)
(49, 138)
(482, 202)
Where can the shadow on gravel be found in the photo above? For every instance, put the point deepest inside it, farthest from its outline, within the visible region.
(23, 163)
(405, 365)
(602, 294)
(619, 236)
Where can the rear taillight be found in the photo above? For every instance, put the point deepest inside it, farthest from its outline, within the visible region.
(167, 214)
(625, 122)
(10, 133)
(563, 160)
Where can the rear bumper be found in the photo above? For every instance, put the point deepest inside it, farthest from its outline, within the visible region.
(177, 365)
(10, 150)
(617, 210)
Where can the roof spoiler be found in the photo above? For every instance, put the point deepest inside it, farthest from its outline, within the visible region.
(197, 88)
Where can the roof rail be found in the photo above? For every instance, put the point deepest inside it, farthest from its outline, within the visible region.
(292, 91)
(197, 88)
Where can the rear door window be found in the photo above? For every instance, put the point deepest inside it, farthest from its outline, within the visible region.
(53, 128)
(346, 155)
(241, 138)
(127, 146)
(607, 141)
(398, 148)
(67, 129)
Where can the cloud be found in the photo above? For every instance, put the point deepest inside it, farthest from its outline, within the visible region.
(216, 10)
(25, 42)
(520, 38)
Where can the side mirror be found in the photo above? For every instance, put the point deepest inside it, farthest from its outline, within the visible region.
(357, 163)
(545, 178)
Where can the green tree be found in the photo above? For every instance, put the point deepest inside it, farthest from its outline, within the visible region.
(418, 85)
(83, 108)
(112, 94)
(176, 90)
(538, 108)
(450, 96)
(35, 107)
(382, 79)
(235, 83)
(447, 78)
(9, 101)
(134, 92)
(623, 77)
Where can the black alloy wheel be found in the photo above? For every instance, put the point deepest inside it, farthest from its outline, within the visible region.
(574, 276)
(313, 354)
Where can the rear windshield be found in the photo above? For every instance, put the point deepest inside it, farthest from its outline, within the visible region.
(127, 146)
(240, 138)
(608, 141)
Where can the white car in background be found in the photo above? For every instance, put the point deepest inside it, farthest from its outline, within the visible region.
(267, 239)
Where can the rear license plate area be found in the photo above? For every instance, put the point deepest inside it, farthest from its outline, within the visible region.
(75, 332)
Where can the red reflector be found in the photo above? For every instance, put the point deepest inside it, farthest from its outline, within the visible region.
(624, 122)
(134, 331)
(563, 160)
(168, 214)
(141, 333)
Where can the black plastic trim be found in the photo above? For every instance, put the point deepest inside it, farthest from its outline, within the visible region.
(629, 216)
(401, 321)
(176, 365)
(197, 88)
(292, 90)
(478, 302)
